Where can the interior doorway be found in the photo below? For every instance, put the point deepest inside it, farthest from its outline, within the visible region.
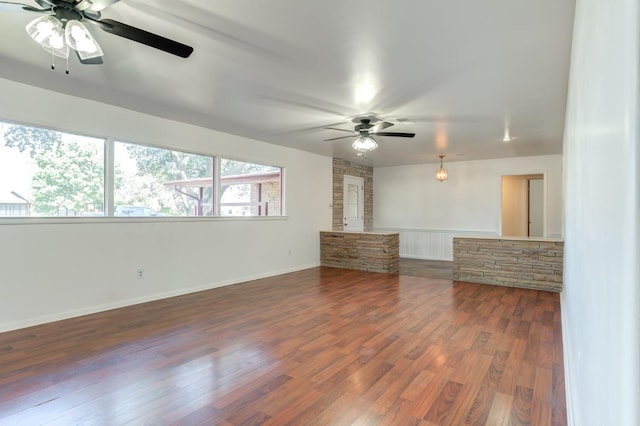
(523, 205)
(353, 204)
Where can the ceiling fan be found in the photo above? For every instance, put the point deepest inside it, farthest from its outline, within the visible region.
(365, 130)
(62, 29)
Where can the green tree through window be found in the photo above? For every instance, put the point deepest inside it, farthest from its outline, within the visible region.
(68, 170)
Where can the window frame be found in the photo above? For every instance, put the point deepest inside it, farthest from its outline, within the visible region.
(215, 165)
(219, 180)
(102, 139)
(108, 188)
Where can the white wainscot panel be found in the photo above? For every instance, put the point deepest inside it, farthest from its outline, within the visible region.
(430, 244)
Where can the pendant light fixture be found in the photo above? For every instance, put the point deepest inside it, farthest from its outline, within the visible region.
(441, 173)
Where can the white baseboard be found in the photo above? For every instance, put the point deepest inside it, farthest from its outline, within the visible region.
(15, 325)
(427, 258)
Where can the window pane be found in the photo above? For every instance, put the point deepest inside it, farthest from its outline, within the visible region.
(248, 189)
(49, 173)
(352, 207)
(151, 181)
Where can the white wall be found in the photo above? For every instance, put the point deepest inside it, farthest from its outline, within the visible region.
(601, 300)
(428, 213)
(50, 271)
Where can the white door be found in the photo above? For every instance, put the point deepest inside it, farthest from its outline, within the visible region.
(536, 207)
(353, 188)
(514, 206)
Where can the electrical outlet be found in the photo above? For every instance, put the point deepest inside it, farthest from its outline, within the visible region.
(140, 274)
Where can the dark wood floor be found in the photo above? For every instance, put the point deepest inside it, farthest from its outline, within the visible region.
(322, 346)
(427, 268)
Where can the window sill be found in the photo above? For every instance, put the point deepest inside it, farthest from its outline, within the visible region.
(105, 220)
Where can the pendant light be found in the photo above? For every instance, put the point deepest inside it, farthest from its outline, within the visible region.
(441, 173)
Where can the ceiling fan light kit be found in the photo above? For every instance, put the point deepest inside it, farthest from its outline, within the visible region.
(364, 132)
(62, 30)
(364, 144)
(58, 38)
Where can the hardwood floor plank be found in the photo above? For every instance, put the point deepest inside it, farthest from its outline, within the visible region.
(462, 404)
(292, 411)
(423, 404)
(558, 397)
(496, 369)
(543, 383)
(418, 386)
(319, 346)
(500, 411)
(479, 411)
(388, 390)
(521, 408)
(400, 413)
(541, 413)
(442, 406)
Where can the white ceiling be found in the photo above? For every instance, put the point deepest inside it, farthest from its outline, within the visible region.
(280, 70)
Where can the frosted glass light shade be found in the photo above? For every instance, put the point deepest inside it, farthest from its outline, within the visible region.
(81, 40)
(47, 31)
(60, 50)
(364, 144)
(43, 27)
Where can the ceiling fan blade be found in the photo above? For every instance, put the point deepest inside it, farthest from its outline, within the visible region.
(93, 5)
(341, 137)
(144, 37)
(45, 4)
(382, 126)
(341, 130)
(436, 118)
(397, 135)
(10, 6)
(93, 61)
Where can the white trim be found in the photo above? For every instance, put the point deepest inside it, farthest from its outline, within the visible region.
(431, 244)
(407, 256)
(109, 170)
(122, 219)
(545, 195)
(453, 231)
(353, 224)
(216, 185)
(9, 326)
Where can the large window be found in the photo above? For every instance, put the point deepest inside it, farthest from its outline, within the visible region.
(248, 189)
(49, 173)
(45, 173)
(152, 181)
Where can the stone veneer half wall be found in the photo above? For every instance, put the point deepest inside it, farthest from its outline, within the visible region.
(364, 251)
(344, 167)
(526, 263)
